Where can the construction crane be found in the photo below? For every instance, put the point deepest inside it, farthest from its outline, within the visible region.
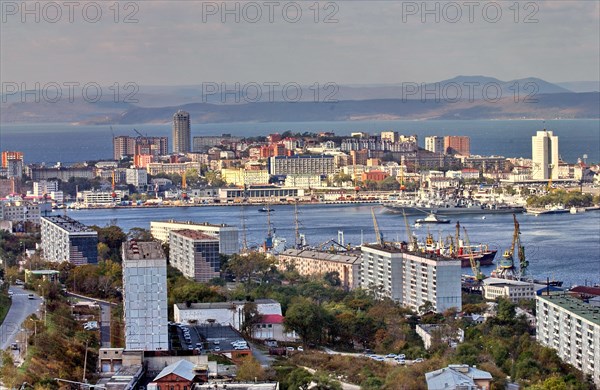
(183, 187)
(474, 263)
(140, 134)
(378, 233)
(402, 186)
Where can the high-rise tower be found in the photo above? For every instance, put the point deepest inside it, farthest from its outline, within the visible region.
(181, 132)
(544, 153)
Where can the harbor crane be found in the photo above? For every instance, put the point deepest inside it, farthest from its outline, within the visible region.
(507, 267)
(412, 240)
(378, 233)
(475, 266)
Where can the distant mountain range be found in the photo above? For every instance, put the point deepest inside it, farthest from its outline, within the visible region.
(463, 97)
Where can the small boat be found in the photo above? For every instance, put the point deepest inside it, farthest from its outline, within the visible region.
(432, 218)
(265, 209)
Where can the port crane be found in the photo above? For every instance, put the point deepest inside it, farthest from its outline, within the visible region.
(113, 194)
(378, 233)
(183, 186)
(412, 240)
(507, 269)
(475, 266)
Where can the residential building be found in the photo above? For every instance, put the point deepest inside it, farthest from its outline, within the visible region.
(459, 377)
(304, 181)
(270, 327)
(310, 262)
(181, 132)
(227, 234)
(145, 296)
(13, 163)
(44, 187)
(9, 186)
(301, 165)
(137, 177)
(203, 143)
(65, 239)
(195, 254)
(245, 177)
(457, 144)
(123, 146)
(375, 176)
(435, 144)
(181, 375)
(391, 136)
(572, 328)
(179, 168)
(23, 211)
(222, 313)
(544, 154)
(515, 290)
(61, 173)
(410, 278)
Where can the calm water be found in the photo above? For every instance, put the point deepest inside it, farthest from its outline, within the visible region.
(68, 143)
(565, 246)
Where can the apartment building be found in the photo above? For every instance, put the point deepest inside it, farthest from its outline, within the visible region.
(309, 262)
(410, 278)
(195, 254)
(19, 211)
(227, 235)
(301, 165)
(145, 296)
(179, 168)
(65, 239)
(572, 328)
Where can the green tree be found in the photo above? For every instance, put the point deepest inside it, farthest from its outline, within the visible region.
(299, 379)
(250, 370)
(139, 234)
(324, 382)
(250, 267)
(506, 310)
(308, 319)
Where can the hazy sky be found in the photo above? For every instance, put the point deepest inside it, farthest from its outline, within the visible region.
(372, 42)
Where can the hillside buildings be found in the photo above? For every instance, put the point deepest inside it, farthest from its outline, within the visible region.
(181, 132)
(227, 235)
(572, 328)
(145, 296)
(411, 279)
(310, 262)
(544, 153)
(195, 254)
(65, 239)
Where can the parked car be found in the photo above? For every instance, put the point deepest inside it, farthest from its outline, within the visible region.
(300, 349)
(14, 346)
(217, 349)
(419, 360)
(31, 296)
(289, 349)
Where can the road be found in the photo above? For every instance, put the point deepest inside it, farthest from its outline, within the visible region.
(20, 309)
(104, 317)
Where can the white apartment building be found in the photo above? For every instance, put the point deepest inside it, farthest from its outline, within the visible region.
(222, 313)
(179, 168)
(44, 187)
(435, 144)
(227, 235)
(20, 211)
(514, 290)
(304, 181)
(145, 296)
(572, 328)
(65, 239)
(195, 254)
(544, 153)
(412, 279)
(136, 177)
(92, 198)
(301, 165)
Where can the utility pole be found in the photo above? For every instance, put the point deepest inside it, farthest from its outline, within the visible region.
(85, 360)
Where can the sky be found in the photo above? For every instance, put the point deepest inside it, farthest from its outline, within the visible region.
(346, 42)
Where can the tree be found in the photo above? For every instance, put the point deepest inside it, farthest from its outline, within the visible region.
(139, 234)
(251, 318)
(324, 382)
(299, 379)
(249, 267)
(308, 319)
(333, 278)
(250, 369)
(506, 310)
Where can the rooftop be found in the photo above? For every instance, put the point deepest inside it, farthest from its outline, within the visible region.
(505, 282)
(69, 224)
(195, 235)
(220, 305)
(181, 368)
(585, 290)
(574, 306)
(324, 256)
(134, 250)
(192, 223)
(271, 319)
(454, 376)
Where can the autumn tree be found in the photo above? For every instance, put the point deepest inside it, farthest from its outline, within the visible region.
(250, 370)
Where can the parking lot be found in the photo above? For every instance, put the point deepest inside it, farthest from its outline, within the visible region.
(206, 338)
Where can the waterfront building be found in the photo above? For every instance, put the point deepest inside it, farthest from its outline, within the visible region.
(435, 144)
(65, 239)
(195, 254)
(137, 177)
(411, 279)
(260, 193)
(181, 132)
(301, 165)
(310, 262)
(145, 296)
(227, 235)
(571, 327)
(101, 198)
(544, 154)
(457, 144)
(245, 177)
(514, 290)
(305, 181)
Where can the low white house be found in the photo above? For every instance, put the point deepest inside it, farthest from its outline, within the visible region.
(271, 328)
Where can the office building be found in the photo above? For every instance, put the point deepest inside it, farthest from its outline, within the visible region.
(227, 235)
(310, 262)
(411, 279)
(301, 165)
(137, 177)
(457, 144)
(572, 328)
(435, 144)
(181, 132)
(65, 239)
(544, 155)
(145, 296)
(195, 254)
(13, 163)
